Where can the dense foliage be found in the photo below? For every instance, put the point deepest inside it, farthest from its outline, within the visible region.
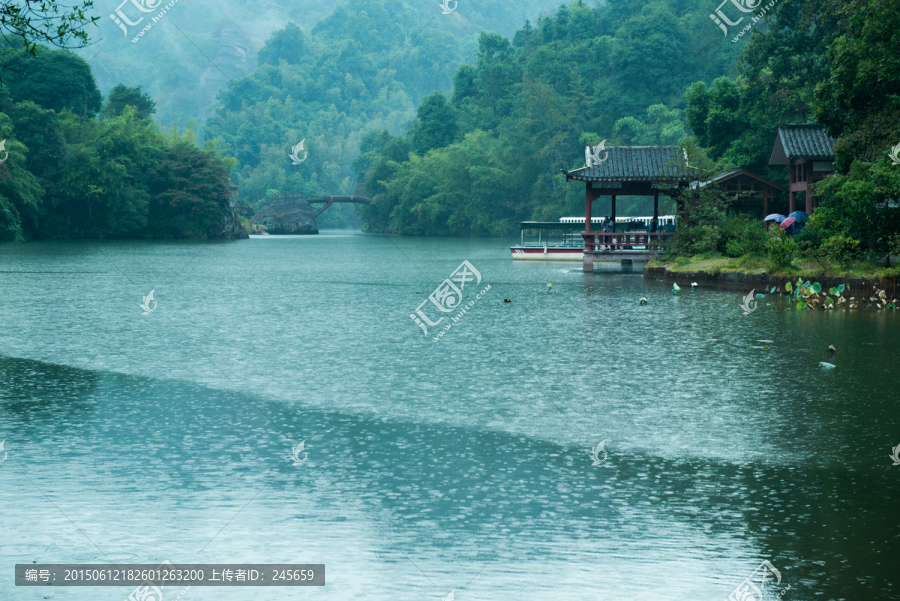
(204, 44)
(831, 62)
(325, 87)
(489, 155)
(71, 174)
(24, 26)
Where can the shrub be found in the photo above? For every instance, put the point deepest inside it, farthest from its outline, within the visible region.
(780, 249)
(841, 249)
(742, 235)
(697, 239)
(809, 241)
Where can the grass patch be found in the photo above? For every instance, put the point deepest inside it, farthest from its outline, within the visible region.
(757, 263)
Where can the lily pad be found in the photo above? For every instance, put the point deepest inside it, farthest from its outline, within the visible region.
(833, 291)
(788, 288)
(772, 291)
(760, 296)
(817, 287)
(841, 289)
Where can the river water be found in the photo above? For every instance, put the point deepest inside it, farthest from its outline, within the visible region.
(462, 464)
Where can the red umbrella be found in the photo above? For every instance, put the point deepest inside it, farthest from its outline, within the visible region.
(787, 223)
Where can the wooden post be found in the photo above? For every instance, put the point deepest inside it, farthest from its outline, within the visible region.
(613, 217)
(587, 263)
(588, 199)
(809, 198)
(655, 227)
(793, 195)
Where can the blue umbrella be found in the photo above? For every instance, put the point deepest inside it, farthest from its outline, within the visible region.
(800, 216)
(776, 217)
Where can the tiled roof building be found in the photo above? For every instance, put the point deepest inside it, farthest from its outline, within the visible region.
(810, 153)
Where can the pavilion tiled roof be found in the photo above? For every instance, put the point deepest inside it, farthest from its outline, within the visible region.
(727, 175)
(638, 164)
(802, 142)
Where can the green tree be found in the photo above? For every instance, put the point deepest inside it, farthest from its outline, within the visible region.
(190, 193)
(101, 191)
(284, 45)
(859, 103)
(54, 79)
(436, 124)
(122, 96)
(20, 191)
(661, 127)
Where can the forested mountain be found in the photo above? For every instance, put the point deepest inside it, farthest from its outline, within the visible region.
(618, 69)
(190, 55)
(489, 154)
(365, 66)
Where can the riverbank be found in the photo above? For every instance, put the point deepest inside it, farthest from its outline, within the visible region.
(746, 274)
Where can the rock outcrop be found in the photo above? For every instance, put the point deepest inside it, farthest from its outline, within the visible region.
(231, 225)
(287, 216)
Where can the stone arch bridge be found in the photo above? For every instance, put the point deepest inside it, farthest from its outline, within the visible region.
(291, 212)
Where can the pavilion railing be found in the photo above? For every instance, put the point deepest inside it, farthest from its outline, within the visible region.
(602, 242)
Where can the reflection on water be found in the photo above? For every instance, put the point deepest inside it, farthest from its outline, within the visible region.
(458, 465)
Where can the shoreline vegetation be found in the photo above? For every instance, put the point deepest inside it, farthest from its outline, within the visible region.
(711, 270)
(715, 263)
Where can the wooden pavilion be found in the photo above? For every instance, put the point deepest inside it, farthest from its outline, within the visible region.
(630, 171)
(766, 195)
(810, 153)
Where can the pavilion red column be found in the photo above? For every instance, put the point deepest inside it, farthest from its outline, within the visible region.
(588, 199)
(807, 179)
(588, 257)
(655, 227)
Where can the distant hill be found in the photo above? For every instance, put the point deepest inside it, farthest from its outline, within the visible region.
(176, 67)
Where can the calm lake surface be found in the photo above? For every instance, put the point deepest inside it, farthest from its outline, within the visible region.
(432, 466)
